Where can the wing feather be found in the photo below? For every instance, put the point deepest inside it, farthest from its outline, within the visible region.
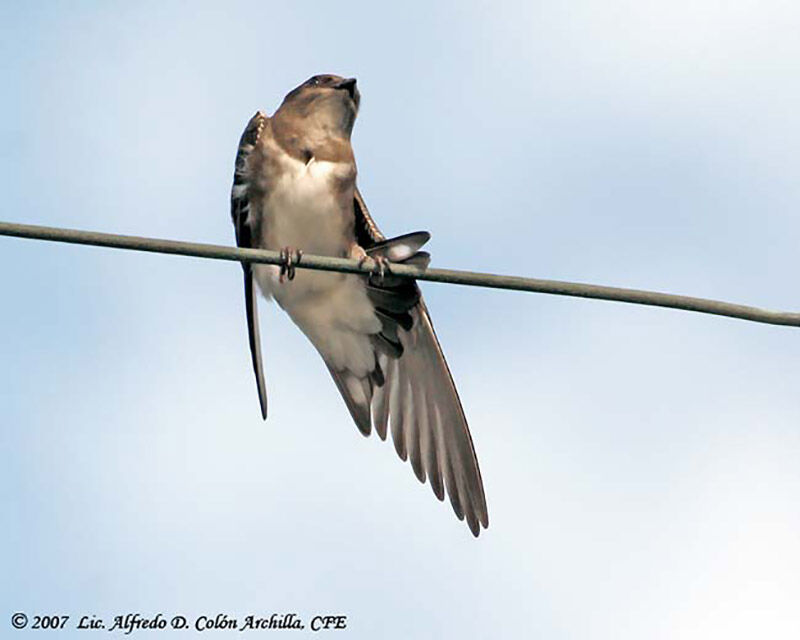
(244, 222)
(418, 401)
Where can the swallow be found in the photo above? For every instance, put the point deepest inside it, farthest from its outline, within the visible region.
(294, 190)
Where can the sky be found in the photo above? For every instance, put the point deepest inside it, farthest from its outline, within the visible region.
(640, 464)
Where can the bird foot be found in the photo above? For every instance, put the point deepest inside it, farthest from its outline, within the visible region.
(381, 265)
(289, 258)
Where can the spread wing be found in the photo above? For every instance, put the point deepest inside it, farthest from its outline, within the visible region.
(411, 391)
(246, 226)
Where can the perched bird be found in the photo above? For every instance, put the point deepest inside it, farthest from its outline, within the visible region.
(294, 189)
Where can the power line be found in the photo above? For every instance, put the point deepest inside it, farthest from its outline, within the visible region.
(450, 276)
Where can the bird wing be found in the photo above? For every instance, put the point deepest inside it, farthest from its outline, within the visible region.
(246, 226)
(411, 390)
(367, 232)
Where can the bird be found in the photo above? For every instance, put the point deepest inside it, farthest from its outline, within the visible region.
(294, 191)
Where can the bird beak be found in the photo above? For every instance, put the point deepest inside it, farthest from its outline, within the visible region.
(349, 84)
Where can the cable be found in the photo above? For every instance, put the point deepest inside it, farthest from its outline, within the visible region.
(450, 276)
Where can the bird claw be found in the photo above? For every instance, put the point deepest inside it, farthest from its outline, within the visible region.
(289, 259)
(381, 265)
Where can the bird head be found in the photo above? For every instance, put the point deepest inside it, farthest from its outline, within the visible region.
(327, 101)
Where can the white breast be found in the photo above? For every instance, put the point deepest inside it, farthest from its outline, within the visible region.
(302, 209)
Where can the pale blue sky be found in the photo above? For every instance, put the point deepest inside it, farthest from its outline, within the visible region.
(641, 465)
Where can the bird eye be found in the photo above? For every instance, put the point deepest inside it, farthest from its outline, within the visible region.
(313, 82)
